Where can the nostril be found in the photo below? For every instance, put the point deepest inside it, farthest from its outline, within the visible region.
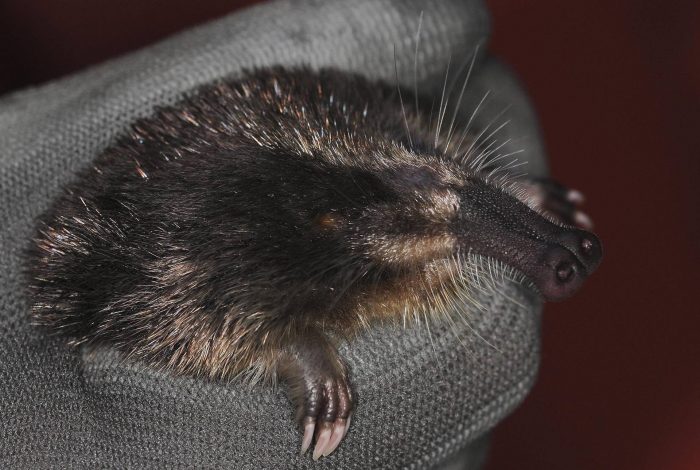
(565, 272)
(586, 246)
(560, 273)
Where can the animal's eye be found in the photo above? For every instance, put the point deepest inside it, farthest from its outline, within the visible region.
(328, 221)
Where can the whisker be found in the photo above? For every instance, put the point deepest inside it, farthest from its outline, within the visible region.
(506, 168)
(461, 95)
(484, 151)
(415, 63)
(485, 154)
(465, 133)
(441, 112)
(479, 140)
(403, 109)
(498, 157)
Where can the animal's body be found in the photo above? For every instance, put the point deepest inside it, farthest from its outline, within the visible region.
(244, 229)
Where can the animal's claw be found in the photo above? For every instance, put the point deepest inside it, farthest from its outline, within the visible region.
(556, 200)
(339, 430)
(324, 401)
(322, 440)
(309, 426)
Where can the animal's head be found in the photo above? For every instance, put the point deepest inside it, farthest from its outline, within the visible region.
(413, 211)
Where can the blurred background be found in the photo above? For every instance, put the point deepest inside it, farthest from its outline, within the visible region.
(617, 88)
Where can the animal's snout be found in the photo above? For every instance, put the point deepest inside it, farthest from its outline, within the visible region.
(568, 263)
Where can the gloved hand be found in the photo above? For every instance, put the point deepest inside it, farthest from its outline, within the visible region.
(422, 395)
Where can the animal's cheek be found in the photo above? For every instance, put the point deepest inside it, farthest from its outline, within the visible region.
(412, 249)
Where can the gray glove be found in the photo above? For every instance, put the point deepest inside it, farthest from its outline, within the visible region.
(424, 398)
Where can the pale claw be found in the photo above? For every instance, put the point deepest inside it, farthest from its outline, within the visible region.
(582, 220)
(338, 432)
(347, 425)
(308, 436)
(322, 442)
(575, 196)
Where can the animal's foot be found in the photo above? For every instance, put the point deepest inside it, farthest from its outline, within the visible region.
(325, 411)
(557, 200)
(320, 389)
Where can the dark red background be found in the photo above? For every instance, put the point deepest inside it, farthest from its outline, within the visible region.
(617, 86)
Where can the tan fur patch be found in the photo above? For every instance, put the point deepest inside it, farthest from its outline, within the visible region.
(407, 250)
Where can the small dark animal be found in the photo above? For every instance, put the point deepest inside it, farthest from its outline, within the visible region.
(237, 232)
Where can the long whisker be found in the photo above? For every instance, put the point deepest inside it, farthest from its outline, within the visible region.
(506, 168)
(498, 157)
(461, 95)
(443, 102)
(415, 63)
(403, 109)
(494, 132)
(479, 140)
(465, 133)
(485, 154)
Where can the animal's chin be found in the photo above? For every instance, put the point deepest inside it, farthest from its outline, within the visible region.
(487, 271)
(543, 278)
(518, 276)
(555, 273)
(557, 268)
(535, 280)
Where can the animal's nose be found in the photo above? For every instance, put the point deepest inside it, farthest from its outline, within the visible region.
(567, 262)
(584, 245)
(561, 273)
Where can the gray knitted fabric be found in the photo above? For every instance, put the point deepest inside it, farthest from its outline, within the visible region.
(425, 396)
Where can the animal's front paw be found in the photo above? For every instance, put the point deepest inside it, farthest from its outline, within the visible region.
(320, 389)
(557, 200)
(324, 407)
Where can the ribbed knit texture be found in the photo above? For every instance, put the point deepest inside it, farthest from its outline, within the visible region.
(423, 396)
